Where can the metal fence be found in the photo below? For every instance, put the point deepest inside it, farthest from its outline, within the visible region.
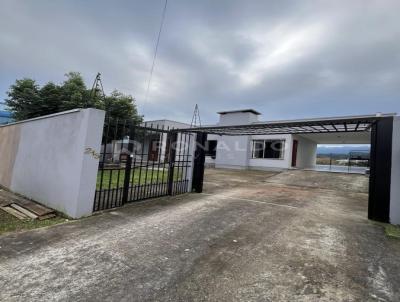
(141, 162)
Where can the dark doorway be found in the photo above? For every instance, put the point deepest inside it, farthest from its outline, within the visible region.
(211, 148)
(153, 149)
(294, 153)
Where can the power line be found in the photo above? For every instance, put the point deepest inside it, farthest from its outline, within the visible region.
(155, 52)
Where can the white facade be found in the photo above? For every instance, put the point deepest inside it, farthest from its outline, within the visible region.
(237, 152)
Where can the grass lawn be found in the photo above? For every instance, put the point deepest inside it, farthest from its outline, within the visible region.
(392, 231)
(9, 223)
(138, 177)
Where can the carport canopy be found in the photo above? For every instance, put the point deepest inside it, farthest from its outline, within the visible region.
(376, 129)
(346, 124)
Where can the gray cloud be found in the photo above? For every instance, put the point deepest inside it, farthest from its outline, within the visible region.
(288, 59)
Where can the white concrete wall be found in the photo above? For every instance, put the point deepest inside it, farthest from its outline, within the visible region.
(237, 118)
(233, 152)
(306, 152)
(395, 174)
(55, 159)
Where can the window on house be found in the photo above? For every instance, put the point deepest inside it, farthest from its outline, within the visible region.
(211, 148)
(270, 149)
(258, 149)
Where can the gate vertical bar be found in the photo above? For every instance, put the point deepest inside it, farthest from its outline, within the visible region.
(189, 164)
(128, 165)
(199, 160)
(380, 170)
(119, 196)
(97, 204)
(159, 161)
(166, 157)
(172, 154)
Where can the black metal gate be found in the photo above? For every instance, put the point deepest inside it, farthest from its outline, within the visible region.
(141, 162)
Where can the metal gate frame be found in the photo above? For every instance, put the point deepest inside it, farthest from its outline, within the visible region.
(126, 173)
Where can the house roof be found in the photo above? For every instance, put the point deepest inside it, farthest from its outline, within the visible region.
(164, 121)
(240, 111)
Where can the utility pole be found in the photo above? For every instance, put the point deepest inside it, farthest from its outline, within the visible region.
(96, 88)
(196, 118)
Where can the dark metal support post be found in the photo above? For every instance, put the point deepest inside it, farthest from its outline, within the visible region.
(380, 170)
(128, 165)
(173, 137)
(199, 160)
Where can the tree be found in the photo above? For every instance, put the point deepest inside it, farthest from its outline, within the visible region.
(121, 106)
(122, 111)
(50, 95)
(74, 93)
(27, 100)
(24, 100)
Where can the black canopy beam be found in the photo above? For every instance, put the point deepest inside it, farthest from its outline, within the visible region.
(333, 125)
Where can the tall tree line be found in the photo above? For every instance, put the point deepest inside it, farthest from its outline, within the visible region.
(26, 99)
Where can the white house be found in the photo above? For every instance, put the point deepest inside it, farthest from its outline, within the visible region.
(270, 152)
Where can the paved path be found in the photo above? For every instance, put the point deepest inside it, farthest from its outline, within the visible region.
(252, 236)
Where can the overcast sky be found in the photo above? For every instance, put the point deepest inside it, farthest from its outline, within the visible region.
(287, 59)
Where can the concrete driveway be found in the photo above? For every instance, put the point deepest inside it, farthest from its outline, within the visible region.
(252, 236)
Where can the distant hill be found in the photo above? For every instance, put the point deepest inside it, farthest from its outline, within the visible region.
(4, 113)
(342, 149)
